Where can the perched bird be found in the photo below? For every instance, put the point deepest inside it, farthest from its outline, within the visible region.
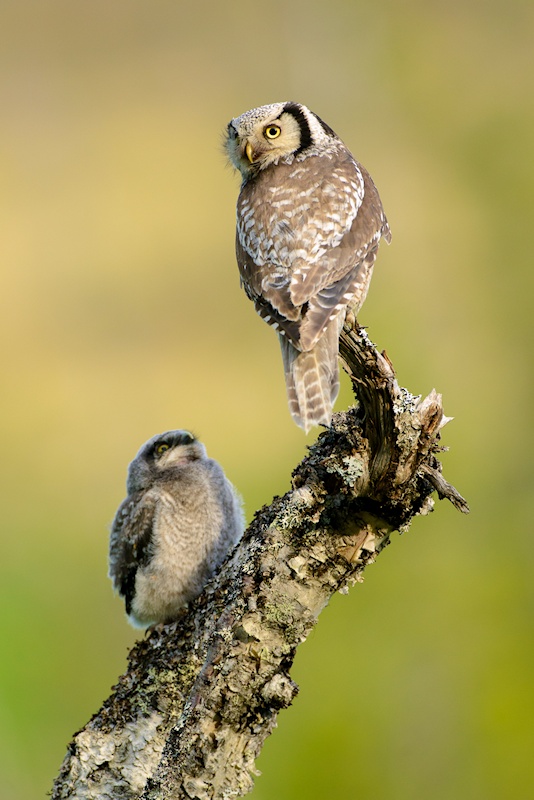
(309, 221)
(180, 519)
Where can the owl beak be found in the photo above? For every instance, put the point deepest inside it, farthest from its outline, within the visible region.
(249, 152)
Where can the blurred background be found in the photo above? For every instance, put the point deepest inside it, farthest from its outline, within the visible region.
(121, 316)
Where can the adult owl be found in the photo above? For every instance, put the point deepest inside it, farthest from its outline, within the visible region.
(309, 222)
(180, 519)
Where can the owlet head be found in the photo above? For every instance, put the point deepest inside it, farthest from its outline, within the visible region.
(161, 453)
(265, 135)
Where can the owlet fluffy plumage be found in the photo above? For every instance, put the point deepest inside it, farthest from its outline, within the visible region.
(180, 519)
(309, 222)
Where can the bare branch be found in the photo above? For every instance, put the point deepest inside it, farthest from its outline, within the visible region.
(201, 695)
(444, 489)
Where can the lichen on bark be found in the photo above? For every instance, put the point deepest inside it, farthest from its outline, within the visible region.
(200, 695)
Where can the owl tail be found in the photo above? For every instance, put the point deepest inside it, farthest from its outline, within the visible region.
(312, 377)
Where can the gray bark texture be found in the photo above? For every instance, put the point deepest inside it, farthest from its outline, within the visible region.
(200, 695)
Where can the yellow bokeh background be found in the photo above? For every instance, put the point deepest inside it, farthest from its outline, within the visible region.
(121, 316)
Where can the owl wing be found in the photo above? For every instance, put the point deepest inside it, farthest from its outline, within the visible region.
(263, 280)
(305, 254)
(340, 278)
(130, 542)
(361, 226)
(274, 305)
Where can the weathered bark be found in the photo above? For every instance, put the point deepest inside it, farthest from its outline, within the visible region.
(201, 695)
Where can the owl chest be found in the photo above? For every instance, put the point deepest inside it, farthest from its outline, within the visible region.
(175, 532)
(184, 529)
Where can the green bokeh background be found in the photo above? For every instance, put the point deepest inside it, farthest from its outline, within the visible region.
(121, 316)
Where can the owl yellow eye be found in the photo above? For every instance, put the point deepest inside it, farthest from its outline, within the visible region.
(272, 131)
(161, 448)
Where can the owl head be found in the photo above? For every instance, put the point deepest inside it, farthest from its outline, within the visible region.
(277, 132)
(163, 452)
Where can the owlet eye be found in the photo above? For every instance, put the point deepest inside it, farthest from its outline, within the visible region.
(161, 448)
(187, 437)
(272, 131)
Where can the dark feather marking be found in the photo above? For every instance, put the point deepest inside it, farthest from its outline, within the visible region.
(305, 133)
(291, 328)
(127, 588)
